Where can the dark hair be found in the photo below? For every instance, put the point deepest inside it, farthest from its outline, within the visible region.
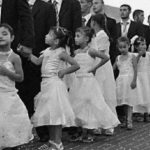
(101, 21)
(10, 29)
(148, 16)
(126, 5)
(137, 42)
(87, 31)
(123, 39)
(137, 12)
(62, 34)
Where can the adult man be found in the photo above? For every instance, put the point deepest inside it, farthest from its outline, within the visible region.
(69, 14)
(138, 16)
(127, 27)
(86, 11)
(98, 7)
(18, 15)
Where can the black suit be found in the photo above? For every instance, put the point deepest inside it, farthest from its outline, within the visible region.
(18, 15)
(70, 18)
(44, 17)
(146, 30)
(111, 26)
(134, 29)
(70, 15)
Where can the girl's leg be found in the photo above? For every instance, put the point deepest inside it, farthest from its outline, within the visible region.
(84, 132)
(88, 136)
(57, 134)
(129, 117)
(55, 137)
(124, 118)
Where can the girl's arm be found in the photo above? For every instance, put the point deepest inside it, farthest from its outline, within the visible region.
(18, 74)
(36, 60)
(74, 65)
(134, 63)
(99, 54)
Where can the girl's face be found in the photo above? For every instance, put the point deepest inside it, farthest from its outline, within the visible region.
(5, 37)
(50, 38)
(142, 47)
(123, 47)
(80, 38)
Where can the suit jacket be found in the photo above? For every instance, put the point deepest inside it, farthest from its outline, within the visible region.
(134, 29)
(70, 15)
(112, 29)
(146, 30)
(44, 17)
(17, 14)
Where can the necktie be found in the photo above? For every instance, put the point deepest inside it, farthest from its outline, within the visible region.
(57, 14)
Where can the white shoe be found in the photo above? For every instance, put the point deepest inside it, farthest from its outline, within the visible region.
(109, 131)
(97, 131)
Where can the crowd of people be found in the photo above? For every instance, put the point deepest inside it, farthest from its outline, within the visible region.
(66, 64)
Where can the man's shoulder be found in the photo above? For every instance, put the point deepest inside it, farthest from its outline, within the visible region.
(111, 19)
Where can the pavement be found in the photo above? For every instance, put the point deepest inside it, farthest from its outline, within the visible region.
(136, 139)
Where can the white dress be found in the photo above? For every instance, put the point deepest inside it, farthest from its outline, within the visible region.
(90, 108)
(144, 83)
(15, 126)
(52, 106)
(126, 95)
(104, 74)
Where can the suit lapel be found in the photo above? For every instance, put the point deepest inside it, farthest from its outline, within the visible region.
(64, 7)
(131, 27)
(119, 29)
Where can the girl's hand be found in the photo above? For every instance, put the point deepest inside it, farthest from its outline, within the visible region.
(93, 70)
(61, 74)
(133, 85)
(3, 70)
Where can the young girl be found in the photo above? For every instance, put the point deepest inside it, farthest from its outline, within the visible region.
(89, 106)
(52, 107)
(104, 74)
(15, 126)
(126, 81)
(143, 75)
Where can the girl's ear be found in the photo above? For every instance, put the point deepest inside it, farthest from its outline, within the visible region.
(12, 38)
(57, 41)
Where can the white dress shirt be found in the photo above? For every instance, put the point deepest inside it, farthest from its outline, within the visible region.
(59, 2)
(87, 17)
(125, 27)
